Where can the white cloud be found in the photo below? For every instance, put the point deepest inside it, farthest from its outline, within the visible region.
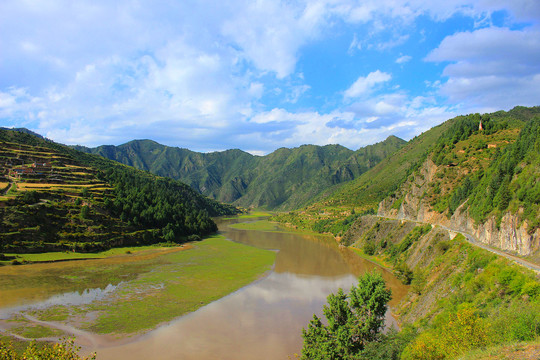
(403, 59)
(365, 84)
(491, 68)
(392, 43)
(196, 74)
(270, 33)
(354, 45)
(296, 92)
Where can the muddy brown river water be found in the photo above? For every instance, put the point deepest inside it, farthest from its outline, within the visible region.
(265, 319)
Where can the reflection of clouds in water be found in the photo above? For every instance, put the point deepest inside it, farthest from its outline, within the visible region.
(263, 320)
(69, 299)
(280, 287)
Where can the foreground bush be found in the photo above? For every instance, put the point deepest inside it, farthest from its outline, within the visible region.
(66, 350)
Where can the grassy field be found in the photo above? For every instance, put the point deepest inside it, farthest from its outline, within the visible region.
(261, 225)
(250, 215)
(188, 280)
(67, 255)
(153, 287)
(518, 351)
(266, 225)
(374, 259)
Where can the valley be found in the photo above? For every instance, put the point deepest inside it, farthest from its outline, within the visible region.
(451, 220)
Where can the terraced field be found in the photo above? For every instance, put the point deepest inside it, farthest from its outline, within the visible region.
(54, 198)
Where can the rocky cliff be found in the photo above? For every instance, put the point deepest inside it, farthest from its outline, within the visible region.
(511, 233)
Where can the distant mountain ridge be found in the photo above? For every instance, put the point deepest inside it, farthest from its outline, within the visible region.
(285, 179)
(24, 131)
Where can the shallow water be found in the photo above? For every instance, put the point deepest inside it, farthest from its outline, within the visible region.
(69, 298)
(265, 319)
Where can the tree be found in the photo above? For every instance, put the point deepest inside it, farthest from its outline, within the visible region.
(85, 212)
(353, 319)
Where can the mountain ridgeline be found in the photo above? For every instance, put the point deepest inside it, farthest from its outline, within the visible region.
(285, 179)
(475, 173)
(56, 198)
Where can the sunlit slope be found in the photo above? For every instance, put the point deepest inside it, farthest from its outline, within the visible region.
(54, 198)
(442, 168)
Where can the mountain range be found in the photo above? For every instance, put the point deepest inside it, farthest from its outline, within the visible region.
(283, 180)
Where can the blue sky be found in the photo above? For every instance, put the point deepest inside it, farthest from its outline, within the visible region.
(259, 75)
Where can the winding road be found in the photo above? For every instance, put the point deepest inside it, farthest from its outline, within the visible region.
(475, 242)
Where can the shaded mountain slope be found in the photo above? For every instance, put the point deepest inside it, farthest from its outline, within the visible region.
(284, 179)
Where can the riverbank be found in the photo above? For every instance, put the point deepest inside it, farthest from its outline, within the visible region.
(151, 288)
(33, 258)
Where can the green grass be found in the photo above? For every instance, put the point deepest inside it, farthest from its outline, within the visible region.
(266, 225)
(55, 256)
(505, 351)
(36, 331)
(68, 255)
(261, 225)
(18, 345)
(250, 215)
(157, 287)
(186, 281)
(374, 259)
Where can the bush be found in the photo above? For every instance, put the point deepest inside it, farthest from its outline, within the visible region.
(459, 333)
(369, 248)
(418, 280)
(531, 289)
(65, 350)
(85, 212)
(403, 273)
(30, 197)
(518, 322)
(390, 346)
(442, 246)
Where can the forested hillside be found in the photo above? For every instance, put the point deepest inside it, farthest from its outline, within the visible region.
(480, 179)
(477, 176)
(56, 198)
(474, 174)
(284, 179)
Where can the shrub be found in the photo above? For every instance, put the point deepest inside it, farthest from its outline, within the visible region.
(403, 273)
(518, 322)
(442, 246)
(459, 333)
(369, 248)
(531, 289)
(65, 350)
(418, 280)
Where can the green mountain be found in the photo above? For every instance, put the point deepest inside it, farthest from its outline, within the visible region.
(482, 181)
(284, 179)
(53, 197)
(427, 213)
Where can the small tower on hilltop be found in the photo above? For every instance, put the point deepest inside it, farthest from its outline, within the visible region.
(480, 128)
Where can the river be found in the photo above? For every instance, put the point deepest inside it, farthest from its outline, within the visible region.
(265, 319)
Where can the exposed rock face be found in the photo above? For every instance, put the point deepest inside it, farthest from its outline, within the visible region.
(511, 235)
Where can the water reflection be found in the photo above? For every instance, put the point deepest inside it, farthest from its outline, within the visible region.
(263, 320)
(309, 256)
(71, 298)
